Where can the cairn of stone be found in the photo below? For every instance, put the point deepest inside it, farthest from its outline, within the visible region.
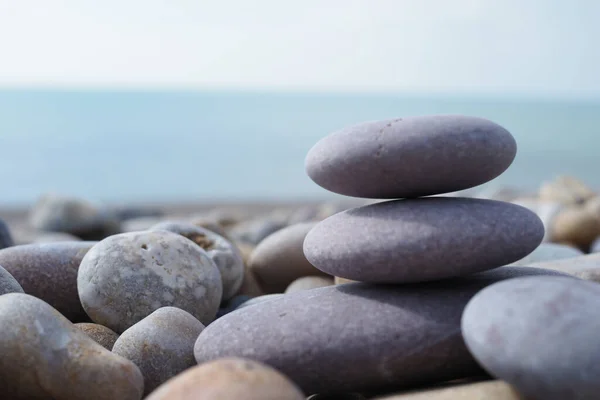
(420, 257)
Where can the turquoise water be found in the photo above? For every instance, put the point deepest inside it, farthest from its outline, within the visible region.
(194, 146)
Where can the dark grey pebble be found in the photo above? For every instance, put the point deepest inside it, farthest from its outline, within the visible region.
(48, 271)
(232, 304)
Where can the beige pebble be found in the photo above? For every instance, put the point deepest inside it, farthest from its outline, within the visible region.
(566, 190)
(228, 378)
(309, 282)
(488, 390)
(279, 259)
(246, 249)
(577, 225)
(102, 335)
(338, 280)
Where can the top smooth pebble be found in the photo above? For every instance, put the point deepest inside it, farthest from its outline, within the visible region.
(411, 157)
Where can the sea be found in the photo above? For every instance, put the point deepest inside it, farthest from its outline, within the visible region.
(195, 146)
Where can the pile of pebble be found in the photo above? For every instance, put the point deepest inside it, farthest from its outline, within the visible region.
(406, 291)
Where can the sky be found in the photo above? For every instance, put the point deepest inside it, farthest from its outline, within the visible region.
(530, 47)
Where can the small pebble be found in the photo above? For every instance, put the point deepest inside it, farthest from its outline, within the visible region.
(84, 219)
(101, 334)
(255, 230)
(539, 334)
(48, 271)
(126, 277)
(161, 345)
(309, 282)
(223, 253)
(44, 356)
(229, 378)
(279, 259)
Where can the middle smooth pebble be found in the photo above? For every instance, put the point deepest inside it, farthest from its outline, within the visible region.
(422, 239)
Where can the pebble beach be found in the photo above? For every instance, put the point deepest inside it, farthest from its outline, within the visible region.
(415, 283)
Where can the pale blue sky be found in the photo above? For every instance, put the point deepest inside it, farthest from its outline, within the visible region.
(533, 47)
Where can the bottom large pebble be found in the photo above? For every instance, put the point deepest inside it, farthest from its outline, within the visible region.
(357, 337)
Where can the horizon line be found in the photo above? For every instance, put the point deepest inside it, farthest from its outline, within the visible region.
(310, 91)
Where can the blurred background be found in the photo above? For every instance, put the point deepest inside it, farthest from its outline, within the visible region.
(194, 101)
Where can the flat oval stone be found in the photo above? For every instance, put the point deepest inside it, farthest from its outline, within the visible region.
(125, 277)
(229, 378)
(102, 335)
(411, 157)
(279, 259)
(422, 239)
(540, 334)
(223, 253)
(44, 356)
(48, 271)
(161, 345)
(8, 283)
(357, 337)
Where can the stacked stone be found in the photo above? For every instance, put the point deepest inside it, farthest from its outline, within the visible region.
(420, 260)
(417, 239)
